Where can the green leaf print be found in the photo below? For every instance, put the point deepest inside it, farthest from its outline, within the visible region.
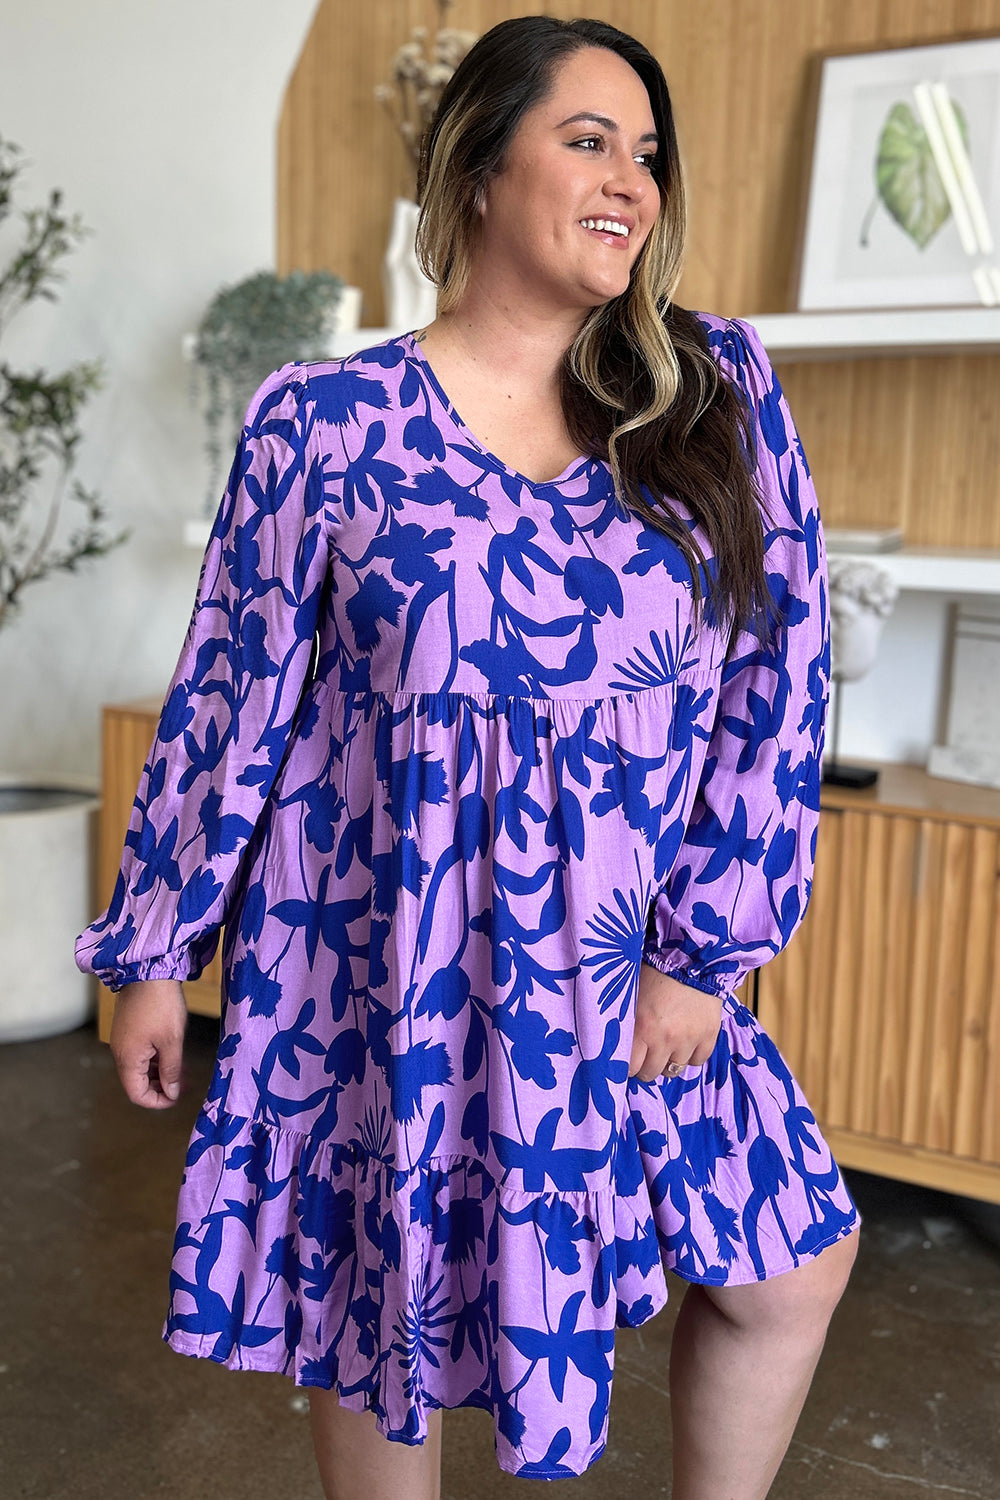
(908, 181)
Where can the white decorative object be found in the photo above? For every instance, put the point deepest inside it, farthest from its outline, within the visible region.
(861, 600)
(972, 751)
(347, 313)
(47, 829)
(410, 299)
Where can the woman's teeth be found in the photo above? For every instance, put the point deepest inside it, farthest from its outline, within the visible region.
(606, 226)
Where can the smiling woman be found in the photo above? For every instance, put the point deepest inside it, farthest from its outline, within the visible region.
(521, 159)
(495, 744)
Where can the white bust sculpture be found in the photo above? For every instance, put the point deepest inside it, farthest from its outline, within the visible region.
(861, 600)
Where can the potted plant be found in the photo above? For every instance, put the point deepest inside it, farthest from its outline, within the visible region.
(247, 331)
(46, 821)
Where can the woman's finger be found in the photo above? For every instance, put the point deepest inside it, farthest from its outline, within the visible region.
(638, 1056)
(654, 1066)
(133, 1071)
(169, 1053)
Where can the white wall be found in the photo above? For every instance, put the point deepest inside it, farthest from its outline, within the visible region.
(158, 119)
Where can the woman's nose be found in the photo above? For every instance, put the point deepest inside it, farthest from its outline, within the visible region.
(627, 179)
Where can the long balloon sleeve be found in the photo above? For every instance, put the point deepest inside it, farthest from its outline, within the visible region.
(741, 880)
(230, 706)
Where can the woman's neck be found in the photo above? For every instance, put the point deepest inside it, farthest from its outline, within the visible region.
(502, 339)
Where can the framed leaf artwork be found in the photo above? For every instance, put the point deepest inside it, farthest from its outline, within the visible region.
(902, 207)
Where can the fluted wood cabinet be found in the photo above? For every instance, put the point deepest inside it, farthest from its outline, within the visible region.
(886, 1003)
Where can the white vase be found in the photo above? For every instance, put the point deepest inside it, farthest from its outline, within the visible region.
(47, 838)
(410, 298)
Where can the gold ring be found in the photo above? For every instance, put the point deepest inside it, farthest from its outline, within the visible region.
(673, 1069)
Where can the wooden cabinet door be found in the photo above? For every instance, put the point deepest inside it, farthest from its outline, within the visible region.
(886, 1003)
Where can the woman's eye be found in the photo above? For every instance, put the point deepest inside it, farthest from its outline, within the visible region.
(648, 158)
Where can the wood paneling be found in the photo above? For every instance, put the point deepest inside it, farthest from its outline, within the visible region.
(912, 442)
(887, 1003)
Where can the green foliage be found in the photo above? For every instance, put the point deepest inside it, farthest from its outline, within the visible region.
(906, 174)
(40, 414)
(250, 330)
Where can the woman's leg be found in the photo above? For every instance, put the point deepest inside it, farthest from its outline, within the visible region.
(357, 1463)
(741, 1362)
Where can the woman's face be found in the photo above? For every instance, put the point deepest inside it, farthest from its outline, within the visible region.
(583, 154)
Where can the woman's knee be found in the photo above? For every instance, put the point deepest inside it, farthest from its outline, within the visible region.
(801, 1299)
(832, 1270)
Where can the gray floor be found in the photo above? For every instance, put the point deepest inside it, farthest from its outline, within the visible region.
(92, 1404)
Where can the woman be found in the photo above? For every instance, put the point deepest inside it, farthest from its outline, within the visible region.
(493, 862)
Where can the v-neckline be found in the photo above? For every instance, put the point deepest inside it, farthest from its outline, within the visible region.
(427, 370)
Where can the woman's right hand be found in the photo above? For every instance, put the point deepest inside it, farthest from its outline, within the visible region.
(147, 1041)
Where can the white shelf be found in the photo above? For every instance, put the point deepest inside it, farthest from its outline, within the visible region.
(884, 332)
(932, 571)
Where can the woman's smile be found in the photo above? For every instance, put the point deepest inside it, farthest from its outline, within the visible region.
(612, 230)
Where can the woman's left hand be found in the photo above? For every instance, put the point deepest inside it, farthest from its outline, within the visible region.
(674, 1023)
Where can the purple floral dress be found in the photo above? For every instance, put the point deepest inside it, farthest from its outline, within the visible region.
(445, 753)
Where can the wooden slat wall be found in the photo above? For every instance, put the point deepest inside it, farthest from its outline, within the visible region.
(887, 1005)
(913, 442)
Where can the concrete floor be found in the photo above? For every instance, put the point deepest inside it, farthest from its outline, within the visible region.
(94, 1407)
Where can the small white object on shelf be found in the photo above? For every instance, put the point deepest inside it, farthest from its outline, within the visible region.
(863, 539)
(347, 313)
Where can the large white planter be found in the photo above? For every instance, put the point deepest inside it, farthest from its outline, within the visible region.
(47, 840)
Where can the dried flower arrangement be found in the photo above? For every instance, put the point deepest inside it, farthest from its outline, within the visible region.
(419, 76)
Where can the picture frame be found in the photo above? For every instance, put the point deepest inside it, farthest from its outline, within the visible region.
(901, 206)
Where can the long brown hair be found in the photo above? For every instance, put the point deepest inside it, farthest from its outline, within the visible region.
(640, 387)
